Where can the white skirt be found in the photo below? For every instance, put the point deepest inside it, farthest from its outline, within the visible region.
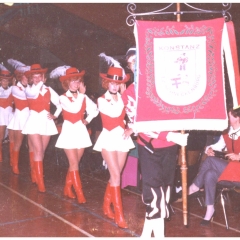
(73, 136)
(19, 119)
(113, 141)
(6, 115)
(38, 123)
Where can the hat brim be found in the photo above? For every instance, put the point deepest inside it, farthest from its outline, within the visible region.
(126, 79)
(16, 72)
(31, 72)
(66, 77)
(6, 77)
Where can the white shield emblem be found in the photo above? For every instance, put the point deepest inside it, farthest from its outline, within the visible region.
(180, 69)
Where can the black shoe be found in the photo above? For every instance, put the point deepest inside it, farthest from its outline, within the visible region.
(207, 222)
(194, 195)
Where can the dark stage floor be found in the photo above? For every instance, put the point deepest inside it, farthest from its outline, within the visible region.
(25, 212)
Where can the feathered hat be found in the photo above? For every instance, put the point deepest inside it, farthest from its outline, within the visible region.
(65, 73)
(115, 72)
(34, 69)
(18, 66)
(59, 71)
(5, 73)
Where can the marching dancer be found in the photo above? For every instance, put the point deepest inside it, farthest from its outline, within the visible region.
(6, 107)
(74, 136)
(21, 114)
(40, 125)
(112, 141)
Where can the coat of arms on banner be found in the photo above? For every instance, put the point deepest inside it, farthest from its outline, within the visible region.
(180, 81)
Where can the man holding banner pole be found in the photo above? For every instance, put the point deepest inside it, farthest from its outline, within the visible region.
(157, 156)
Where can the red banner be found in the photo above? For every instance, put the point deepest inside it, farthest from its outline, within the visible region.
(180, 75)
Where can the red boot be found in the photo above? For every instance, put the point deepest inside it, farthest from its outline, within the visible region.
(11, 146)
(68, 187)
(77, 186)
(32, 169)
(15, 162)
(117, 203)
(107, 203)
(39, 175)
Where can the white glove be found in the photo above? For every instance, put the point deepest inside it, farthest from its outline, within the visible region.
(178, 138)
(152, 134)
(104, 164)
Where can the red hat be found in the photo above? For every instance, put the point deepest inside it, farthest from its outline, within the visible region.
(34, 69)
(115, 74)
(71, 72)
(5, 74)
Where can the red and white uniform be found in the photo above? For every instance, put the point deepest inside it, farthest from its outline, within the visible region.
(21, 112)
(228, 140)
(6, 106)
(112, 114)
(39, 97)
(74, 133)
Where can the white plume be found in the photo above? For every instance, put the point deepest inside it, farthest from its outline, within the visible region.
(15, 64)
(58, 72)
(109, 60)
(3, 68)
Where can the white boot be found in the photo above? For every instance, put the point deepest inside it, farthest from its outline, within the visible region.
(158, 227)
(147, 229)
(153, 225)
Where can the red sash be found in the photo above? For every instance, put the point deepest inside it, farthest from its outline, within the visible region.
(110, 123)
(41, 102)
(20, 104)
(74, 117)
(6, 102)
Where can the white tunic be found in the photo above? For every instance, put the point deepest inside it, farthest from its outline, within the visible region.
(6, 111)
(74, 133)
(112, 140)
(38, 122)
(20, 114)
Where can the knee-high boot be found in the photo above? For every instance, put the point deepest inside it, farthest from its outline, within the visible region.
(107, 202)
(147, 229)
(32, 168)
(68, 187)
(11, 146)
(77, 186)
(15, 162)
(158, 227)
(117, 203)
(0, 152)
(39, 175)
(153, 225)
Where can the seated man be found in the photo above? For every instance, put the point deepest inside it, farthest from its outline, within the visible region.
(212, 167)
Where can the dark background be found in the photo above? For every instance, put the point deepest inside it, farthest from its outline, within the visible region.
(55, 34)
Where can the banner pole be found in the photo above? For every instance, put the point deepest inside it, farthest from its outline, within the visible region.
(183, 158)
